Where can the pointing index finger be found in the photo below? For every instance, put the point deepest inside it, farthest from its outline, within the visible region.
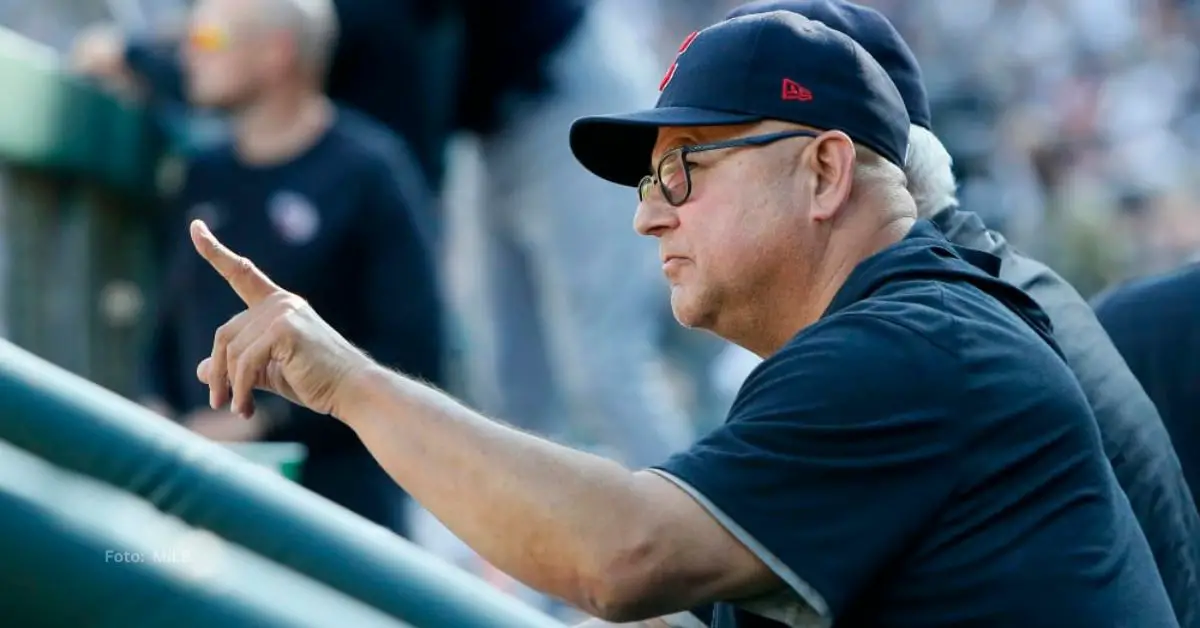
(242, 275)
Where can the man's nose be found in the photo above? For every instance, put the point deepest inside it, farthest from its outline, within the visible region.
(654, 217)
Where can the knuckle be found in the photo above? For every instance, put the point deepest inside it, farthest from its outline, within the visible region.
(294, 302)
(281, 325)
(283, 303)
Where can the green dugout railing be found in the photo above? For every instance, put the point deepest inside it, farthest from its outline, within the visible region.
(82, 428)
(75, 552)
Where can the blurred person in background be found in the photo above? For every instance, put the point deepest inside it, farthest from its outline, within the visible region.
(1155, 323)
(326, 198)
(395, 61)
(1135, 439)
(572, 297)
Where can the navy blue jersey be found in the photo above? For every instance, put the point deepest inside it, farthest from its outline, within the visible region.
(923, 457)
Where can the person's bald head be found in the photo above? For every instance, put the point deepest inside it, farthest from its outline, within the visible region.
(310, 24)
(240, 49)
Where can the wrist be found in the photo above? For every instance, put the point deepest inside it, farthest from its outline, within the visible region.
(353, 395)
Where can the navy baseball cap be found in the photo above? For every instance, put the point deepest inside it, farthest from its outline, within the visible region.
(873, 32)
(768, 66)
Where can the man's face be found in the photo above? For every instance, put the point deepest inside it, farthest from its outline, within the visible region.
(742, 229)
(227, 55)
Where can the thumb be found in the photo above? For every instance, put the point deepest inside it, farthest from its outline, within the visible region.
(204, 369)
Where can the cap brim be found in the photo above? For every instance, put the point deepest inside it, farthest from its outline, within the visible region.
(618, 147)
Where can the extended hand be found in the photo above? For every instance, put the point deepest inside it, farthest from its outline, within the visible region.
(277, 344)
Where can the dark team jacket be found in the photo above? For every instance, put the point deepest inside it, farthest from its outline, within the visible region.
(922, 457)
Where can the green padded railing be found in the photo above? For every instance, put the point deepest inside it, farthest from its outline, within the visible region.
(85, 429)
(59, 123)
(80, 553)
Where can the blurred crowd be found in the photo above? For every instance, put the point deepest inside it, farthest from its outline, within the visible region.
(1072, 124)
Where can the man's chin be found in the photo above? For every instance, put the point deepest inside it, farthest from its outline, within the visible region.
(687, 310)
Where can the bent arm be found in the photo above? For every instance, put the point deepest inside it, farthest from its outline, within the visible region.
(620, 545)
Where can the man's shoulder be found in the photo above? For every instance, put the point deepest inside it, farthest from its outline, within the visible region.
(362, 137)
(943, 313)
(887, 329)
(949, 339)
(1126, 415)
(382, 154)
(840, 356)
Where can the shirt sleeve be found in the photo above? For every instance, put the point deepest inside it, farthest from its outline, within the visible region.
(836, 453)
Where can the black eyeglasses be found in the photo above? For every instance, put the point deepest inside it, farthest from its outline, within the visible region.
(674, 172)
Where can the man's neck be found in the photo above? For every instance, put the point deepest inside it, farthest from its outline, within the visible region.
(279, 129)
(804, 305)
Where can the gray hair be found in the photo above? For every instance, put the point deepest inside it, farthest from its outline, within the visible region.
(930, 176)
(313, 23)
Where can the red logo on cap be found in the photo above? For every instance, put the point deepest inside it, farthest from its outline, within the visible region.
(687, 42)
(795, 91)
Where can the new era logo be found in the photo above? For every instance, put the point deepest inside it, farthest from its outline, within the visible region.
(795, 91)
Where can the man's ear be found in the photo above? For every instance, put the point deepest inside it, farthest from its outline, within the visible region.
(830, 157)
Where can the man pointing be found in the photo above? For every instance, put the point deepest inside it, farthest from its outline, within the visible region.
(913, 451)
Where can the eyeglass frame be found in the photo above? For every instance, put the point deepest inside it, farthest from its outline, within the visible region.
(682, 153)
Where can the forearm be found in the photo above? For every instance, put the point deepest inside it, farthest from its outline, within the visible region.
(548, 515)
